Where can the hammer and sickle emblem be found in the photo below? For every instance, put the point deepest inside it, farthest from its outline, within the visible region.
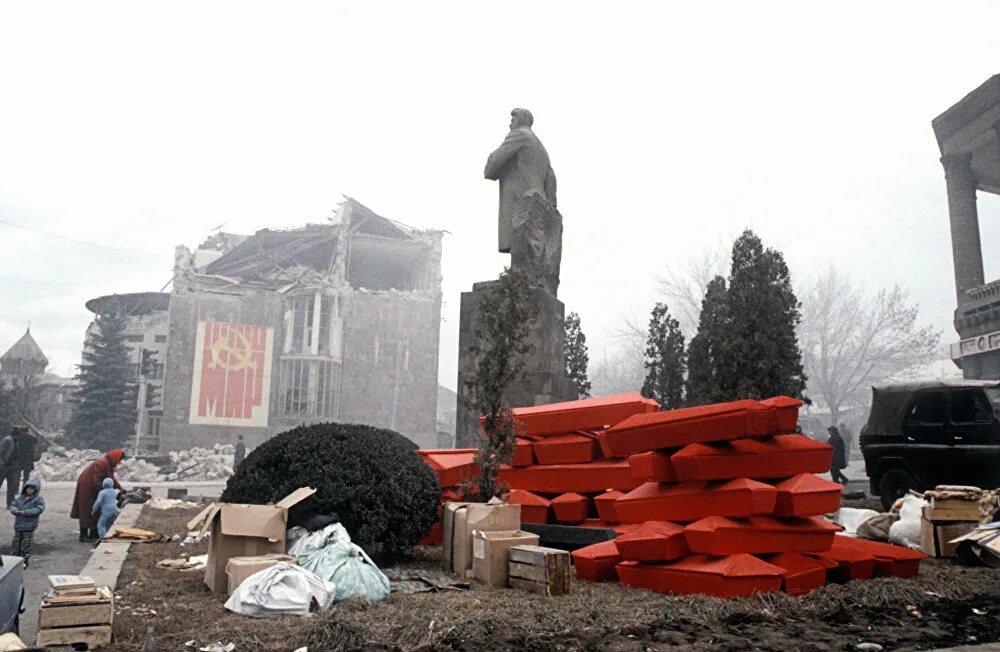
(238, 357)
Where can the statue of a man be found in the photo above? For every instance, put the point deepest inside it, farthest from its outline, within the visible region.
(521, 165)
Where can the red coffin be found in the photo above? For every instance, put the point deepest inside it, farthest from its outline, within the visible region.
(847, 562)
(451, 465)
(596, 563)
(787, 412)
(605, 504)
(653, 541)
(523, 453)
(801, 574)
(775, 457)
(586, 414)
(653, 466)
(567, 449)
(889, 559)
(673, 428)
(561, 478)
(807, 495)
(726, 577)
(571, 508)
(534, 508)
(717, 535)
(691, 501)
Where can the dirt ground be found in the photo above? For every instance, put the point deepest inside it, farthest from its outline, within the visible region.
(946, 605)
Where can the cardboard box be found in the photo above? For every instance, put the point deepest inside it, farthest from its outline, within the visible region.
(489, 553)
(240, 568)
(459, 520)
(243, 531)
(936, 537)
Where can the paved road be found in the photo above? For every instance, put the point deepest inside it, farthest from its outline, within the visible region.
(56, 549)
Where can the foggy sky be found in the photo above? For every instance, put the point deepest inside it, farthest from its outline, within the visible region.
(140, 127)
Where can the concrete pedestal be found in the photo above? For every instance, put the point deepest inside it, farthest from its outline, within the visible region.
(546, 381)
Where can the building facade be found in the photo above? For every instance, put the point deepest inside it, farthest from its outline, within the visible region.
(331, 322)
(968, 135)
(43, 400)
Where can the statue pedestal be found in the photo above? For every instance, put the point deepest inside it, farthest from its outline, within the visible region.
(545, 379)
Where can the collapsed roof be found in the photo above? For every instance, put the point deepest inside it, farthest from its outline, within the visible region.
(372, 251)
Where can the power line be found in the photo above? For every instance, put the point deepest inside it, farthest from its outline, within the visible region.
(88, 243)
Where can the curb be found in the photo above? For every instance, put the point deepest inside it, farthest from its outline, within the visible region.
(105, 563)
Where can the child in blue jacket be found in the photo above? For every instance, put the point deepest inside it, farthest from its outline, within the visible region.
(107, 506)
(26, 508)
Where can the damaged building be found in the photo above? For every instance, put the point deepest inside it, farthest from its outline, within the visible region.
(329, 322)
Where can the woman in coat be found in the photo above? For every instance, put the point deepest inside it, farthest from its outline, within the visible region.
(88, 486)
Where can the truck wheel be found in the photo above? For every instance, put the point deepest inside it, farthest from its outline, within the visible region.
(894, 485)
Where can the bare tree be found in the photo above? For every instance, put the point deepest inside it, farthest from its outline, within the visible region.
(684, 291)
(851, 341)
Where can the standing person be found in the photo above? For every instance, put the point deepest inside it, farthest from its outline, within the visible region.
(239, 452)
(26, 456)
(9, 471)
(839, 461)
(848, 436)
(106, 507)
(27, 509)
(89, 484)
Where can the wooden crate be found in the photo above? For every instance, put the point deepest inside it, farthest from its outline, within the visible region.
(75, 615)
(92, 636)
(540, 570)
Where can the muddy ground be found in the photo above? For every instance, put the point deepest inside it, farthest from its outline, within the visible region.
(946, 605)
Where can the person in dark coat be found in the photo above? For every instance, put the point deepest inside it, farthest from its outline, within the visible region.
(26, 457)
(839, 461)
(9, 464)
(239, 452)
(89, 484)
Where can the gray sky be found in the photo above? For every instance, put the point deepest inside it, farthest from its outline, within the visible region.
(141, 126)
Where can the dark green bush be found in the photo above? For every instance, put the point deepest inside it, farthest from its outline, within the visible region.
(385, 495)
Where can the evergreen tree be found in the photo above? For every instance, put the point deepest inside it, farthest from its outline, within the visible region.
(105, 417)
(665, 360)
(703, 351)
(759, 354)
(506, 317)
(576, 355)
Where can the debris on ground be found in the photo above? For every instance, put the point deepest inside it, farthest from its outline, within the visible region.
(192, 563)
(158, 502)
(134, 534)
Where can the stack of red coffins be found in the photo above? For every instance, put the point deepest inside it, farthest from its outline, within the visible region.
(453, 466)
(559, 472)
(729, 505)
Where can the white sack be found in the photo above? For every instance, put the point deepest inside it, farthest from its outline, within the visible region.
(906, 531)
(851, 519)
(281, 590)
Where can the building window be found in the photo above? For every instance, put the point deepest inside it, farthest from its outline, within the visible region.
(303, 320)
(161, 339)
(133, 338)
(307, 388)
(152, 425)
(157, 372)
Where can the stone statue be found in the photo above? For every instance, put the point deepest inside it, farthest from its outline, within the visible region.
(521, 165)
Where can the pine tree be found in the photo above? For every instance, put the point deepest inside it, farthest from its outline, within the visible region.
(105, 417)
(506, 317)
(665, 360)
(576, 355)
(759, 354)
(703, 351)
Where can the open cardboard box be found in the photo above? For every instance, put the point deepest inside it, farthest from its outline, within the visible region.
(243, 531)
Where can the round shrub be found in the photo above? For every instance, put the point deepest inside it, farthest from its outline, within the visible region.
(382, 491)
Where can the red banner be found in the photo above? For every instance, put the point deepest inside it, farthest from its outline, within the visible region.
(232, 374)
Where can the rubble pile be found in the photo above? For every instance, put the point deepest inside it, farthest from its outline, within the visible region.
(60, 464)
(201, 464)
